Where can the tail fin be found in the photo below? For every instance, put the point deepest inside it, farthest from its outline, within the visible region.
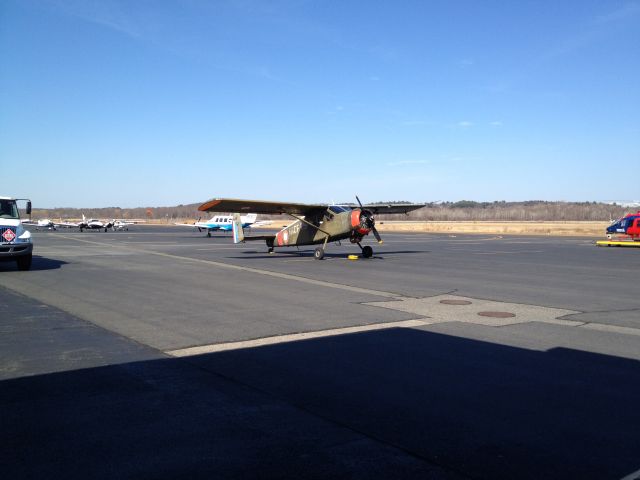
(238, 234)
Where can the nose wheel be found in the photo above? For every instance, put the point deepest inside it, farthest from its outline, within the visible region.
(367, 251)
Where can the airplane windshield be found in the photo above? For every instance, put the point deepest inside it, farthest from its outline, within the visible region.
(337, 209)
(8, 209)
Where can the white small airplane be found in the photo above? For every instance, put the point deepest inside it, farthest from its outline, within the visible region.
(48, 224)
(123, 224)
(225, 223)
(95, 224)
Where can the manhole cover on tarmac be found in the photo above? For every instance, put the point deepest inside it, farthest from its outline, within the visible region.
(497, 314)
(456, 302)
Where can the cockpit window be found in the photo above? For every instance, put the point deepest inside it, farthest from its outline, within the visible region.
(8, 209)
(337, 209)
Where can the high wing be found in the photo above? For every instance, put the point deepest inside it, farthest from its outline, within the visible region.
(377, 208)
(233, 205)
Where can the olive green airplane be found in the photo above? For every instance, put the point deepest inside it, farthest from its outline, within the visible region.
(314, 224)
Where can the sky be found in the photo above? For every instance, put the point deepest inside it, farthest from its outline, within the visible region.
(160, 103)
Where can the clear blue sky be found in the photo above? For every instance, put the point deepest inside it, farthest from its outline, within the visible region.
(157, 103)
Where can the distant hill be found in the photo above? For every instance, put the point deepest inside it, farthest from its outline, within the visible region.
(533, 210)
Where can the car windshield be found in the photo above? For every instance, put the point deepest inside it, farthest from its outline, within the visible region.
(8, 209)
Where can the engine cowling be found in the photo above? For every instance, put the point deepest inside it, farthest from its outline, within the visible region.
(362, 222)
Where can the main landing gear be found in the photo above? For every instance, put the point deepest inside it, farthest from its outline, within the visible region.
(367, 252)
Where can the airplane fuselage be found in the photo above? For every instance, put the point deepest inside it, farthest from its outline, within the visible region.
(329, 227)
(628, 225)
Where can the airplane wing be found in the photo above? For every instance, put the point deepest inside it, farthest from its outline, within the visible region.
(260, 223)
(66, 224)
(232, 205)
(378, 208)
(203, 226)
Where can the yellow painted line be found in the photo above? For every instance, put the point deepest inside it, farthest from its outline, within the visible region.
(294, 337)
(610, 243)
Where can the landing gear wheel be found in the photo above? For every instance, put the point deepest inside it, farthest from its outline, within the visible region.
(209, 234)
(270, 250)
(24, 262)
(367, 251)
(318, 254)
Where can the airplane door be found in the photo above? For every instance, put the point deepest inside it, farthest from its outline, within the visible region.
(634, 228)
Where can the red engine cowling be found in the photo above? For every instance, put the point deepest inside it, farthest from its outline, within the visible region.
(362, 222)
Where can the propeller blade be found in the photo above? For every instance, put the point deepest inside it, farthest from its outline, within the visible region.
(359, 202)
(377, 235)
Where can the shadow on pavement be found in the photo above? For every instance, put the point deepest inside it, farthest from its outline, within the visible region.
(398, 403)
(38, 263)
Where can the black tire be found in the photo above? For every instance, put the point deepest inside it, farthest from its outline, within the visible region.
(367, 251)
(209, 234)
(318, 254)
(24, 262)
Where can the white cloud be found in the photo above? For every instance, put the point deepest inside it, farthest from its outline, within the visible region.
(465, 124)
(496, 123)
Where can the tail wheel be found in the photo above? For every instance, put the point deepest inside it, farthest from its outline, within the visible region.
(367, 251)
(318, 254)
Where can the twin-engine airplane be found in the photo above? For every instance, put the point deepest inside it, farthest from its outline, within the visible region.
(627, 225)
(224, 223)
(313, 225)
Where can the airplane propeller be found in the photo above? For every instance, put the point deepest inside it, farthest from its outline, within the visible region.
(367, 221)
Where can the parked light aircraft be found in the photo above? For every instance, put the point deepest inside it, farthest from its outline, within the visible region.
(313, 225)
(225, 223)
(123, 224)
(48, 224)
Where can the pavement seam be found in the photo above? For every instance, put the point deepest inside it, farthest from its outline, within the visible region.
(293, 337)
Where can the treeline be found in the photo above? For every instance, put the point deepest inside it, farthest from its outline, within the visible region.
(515, 211)
(535, 210)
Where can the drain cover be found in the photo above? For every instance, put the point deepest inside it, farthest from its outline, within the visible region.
(456, 302)
(497, 314)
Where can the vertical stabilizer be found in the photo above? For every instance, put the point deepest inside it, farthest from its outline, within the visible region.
(238, 233)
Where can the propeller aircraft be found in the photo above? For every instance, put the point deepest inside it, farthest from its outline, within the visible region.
(224, 223)
(314, 224)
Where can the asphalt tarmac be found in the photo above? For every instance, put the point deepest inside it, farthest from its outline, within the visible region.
(161, 353)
